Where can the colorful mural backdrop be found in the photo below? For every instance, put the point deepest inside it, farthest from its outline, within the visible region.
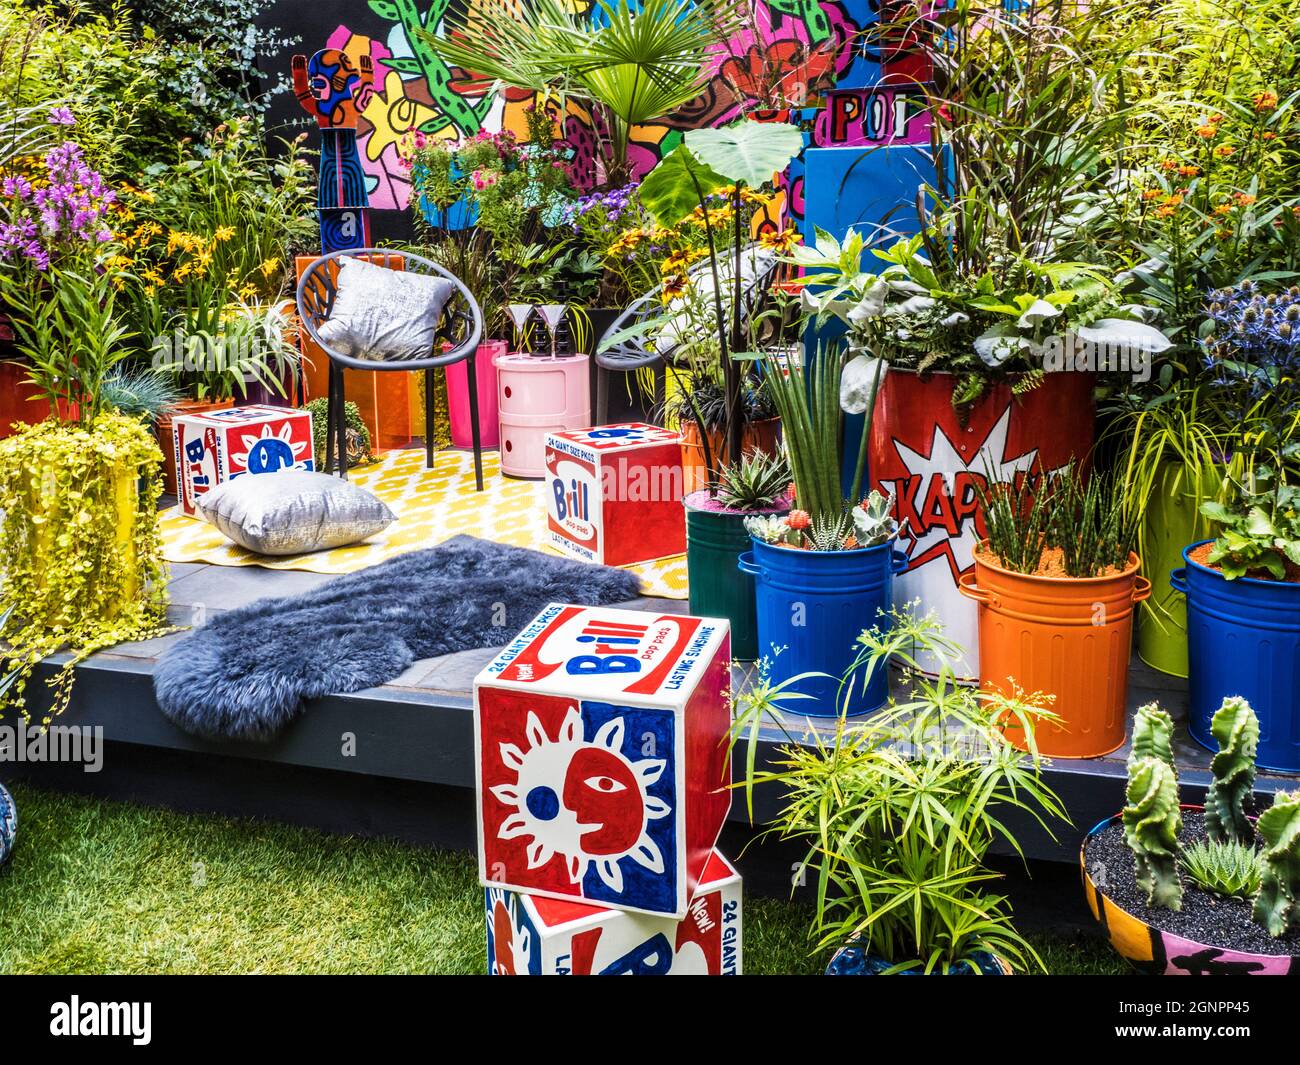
(855, 91)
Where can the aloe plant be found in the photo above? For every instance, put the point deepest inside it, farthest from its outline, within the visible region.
(1236, 728)
(1152, 821)
(1277, 906)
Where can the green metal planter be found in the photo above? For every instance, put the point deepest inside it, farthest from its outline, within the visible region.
(714, 540)
(1170, 524)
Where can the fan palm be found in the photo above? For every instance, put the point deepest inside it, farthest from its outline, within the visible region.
(634, 65)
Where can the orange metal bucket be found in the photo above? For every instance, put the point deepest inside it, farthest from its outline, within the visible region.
(1069, 637)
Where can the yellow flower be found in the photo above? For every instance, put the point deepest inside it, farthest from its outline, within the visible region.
(674, 286)
(269, 267)
(1223, 208)
(223, 234)
(779, 240)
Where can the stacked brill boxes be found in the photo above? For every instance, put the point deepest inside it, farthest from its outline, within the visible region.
(600, 745)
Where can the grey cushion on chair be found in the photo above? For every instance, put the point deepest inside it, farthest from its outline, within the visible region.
(293, 511)
(380, 313)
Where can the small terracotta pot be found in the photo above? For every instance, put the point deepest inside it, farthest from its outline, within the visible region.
(1163, 953)
(1069, 637)
(167, 440)
(757, 436)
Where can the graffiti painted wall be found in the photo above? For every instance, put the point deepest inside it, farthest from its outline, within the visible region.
(790, 50)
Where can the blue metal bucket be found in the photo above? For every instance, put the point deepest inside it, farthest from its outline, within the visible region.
(812, 605)
(1243, 638)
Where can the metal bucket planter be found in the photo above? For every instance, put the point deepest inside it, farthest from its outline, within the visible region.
(932, 458)
(812, 605)
(1243, 639)
(8, 824)
(1171, 523)
(715, 539)
(458, 397)
(1065, 636)
(854, 960)
(1162, 953)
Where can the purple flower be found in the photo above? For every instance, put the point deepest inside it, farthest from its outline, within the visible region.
(61, 116)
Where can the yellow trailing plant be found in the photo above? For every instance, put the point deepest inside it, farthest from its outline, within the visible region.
(79, 548)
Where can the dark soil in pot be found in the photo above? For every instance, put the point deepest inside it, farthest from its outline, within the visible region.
(1205, 918)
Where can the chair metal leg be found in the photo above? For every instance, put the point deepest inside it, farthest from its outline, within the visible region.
(472, 376)
(602, 395)
(329, 419)
(342, 427)
(661, 389)
(429, 379)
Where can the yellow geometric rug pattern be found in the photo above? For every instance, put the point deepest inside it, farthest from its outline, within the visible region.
(431, 506)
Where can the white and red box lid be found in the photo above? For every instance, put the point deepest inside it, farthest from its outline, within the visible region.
(633, 657)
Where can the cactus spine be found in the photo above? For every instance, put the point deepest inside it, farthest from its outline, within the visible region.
(1152, 821)
(1236, 729)
(1277, 906)
(1153, 731)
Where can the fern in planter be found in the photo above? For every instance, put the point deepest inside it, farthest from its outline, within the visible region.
(898, 811)
(79, 547)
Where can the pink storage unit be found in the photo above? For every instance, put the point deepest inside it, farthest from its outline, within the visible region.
(537, 396)
(458, 397)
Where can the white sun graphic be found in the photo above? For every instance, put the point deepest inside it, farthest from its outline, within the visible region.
(584, 801)
(270, 451)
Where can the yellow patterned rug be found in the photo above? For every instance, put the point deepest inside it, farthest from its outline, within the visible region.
(431, 506)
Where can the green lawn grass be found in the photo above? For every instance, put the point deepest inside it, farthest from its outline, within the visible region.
(109, 887)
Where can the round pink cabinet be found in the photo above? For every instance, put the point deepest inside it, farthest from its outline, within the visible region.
(536, 396)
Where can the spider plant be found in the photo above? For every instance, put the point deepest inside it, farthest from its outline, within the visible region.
(633, 64)
(898, 812)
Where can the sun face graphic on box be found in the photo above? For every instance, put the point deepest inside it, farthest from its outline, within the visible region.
(513, 943)
(584, 802)
(269, 451)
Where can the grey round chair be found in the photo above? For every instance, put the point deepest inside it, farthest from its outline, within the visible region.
(641, 350)
(458, 336)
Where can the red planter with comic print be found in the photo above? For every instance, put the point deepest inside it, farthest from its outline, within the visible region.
(933, 457)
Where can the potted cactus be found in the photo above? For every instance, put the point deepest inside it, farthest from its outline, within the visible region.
(1192, 890)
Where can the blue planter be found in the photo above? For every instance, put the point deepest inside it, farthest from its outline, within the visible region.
(1243, 638)
(812, 605)
(856, 960)
(8, 824)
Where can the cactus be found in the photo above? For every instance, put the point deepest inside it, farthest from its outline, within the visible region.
(1152, 821)
(1153, 731)
(1277, 906)
(1236, 729)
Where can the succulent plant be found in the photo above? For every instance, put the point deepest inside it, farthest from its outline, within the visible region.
(1236, 728)
(1229, 869)
(873, 521)
(770, 529)
(1152, 821)
(1153, 731)
(757, 481)
(1277, 906)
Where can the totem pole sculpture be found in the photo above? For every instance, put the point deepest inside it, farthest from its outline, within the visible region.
(332, 90)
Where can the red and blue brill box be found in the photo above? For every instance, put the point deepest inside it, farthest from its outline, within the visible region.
(600, 744)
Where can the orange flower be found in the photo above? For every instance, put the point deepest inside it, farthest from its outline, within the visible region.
(1216, 119)
(1223, 208)
(1189, 171)
(1150, 194)
(1208, 130)
(1224, 150)
(1165, 212)
(1174, 199)
(1265, 101)
(1223, 234)
(1268, 135)
(1168, 165)
(1244, 199)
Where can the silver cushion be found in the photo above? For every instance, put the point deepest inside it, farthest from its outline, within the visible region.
(293, 511)
(380, 313)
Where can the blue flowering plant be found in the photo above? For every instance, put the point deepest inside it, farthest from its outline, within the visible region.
(1252, 353)
(56, 249)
